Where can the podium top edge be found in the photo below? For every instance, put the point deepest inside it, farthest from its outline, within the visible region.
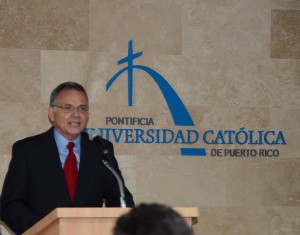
(110, 212)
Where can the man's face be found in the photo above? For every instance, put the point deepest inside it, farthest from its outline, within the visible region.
(70, 123)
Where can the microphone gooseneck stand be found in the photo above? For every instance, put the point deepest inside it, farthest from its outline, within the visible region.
(119, 180)
(105, 160)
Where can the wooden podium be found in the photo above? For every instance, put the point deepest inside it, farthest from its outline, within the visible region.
(82, 221)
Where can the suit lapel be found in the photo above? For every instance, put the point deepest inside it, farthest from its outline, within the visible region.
(51, 156)
(88, 166)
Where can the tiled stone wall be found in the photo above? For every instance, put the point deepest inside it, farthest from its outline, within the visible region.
(234, 63)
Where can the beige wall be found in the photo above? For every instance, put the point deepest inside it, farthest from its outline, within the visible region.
(234, 63)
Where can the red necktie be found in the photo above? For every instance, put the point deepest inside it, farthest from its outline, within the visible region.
(71, 170)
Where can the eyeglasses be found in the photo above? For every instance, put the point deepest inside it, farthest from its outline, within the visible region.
(68, 108)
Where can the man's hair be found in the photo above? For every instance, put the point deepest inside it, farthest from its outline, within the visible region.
(152, 219)
(65, 86)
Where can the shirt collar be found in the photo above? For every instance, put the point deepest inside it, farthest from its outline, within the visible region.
(62, 141)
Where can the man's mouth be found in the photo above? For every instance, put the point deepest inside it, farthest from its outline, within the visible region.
(74, 123)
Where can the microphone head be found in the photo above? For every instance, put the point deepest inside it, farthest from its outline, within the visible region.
(92, 135)
(97, 140)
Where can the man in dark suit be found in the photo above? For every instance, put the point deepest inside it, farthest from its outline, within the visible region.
(36, 181)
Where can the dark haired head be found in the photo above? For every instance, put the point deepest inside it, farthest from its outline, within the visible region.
(152, 219)
(65, 86)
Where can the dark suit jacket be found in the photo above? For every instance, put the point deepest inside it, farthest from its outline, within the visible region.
(35, 182)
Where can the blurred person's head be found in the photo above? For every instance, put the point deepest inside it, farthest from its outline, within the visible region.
(152, 219)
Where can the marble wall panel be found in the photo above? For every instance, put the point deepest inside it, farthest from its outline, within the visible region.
(22, 119)
(263, 182)
(279, 4)
(267, 4)
(20, 74)
(248, 118)
(262, 83)
(52, 25)
(62, 66)
(160, 2)
(233, 221)
(254, 89)
(232, 32)
(285, 220)
(287, 120)
(285, 34)
(189, 181)
(155, 27)
(248, 220)
(287, 90)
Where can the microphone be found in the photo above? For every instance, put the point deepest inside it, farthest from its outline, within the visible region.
(106, 162)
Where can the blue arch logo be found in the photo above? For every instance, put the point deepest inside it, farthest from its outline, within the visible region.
(180, 114)
(178, 110)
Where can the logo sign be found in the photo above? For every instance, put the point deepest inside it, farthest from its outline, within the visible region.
(182, 118)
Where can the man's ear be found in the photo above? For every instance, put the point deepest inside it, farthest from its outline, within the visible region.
(51, 114)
